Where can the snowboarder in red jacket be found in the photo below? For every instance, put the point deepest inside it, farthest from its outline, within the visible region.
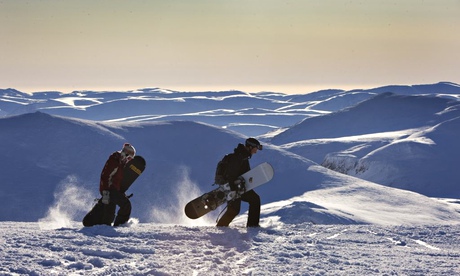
(110, 184)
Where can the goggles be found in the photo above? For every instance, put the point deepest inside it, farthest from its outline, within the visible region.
(249, 143)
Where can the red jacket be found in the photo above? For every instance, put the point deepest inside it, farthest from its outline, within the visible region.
(112, 173)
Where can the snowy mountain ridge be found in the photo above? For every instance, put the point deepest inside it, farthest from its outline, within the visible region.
(236, 110)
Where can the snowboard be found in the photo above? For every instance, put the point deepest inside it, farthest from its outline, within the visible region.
(105, 213)
(208, 202)
(131, 172)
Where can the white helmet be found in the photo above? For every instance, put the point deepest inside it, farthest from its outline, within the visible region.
(128, 151)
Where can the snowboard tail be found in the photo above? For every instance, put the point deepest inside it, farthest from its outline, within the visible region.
(208, 202)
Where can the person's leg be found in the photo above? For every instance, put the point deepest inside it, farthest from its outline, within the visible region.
(108, 213)
(100, 214)
(233, 209)
(253, 199)
(123, 202)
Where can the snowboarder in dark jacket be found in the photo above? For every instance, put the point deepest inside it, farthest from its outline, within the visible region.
(236, 164)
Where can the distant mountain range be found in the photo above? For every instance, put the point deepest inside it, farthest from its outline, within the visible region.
(248, 113)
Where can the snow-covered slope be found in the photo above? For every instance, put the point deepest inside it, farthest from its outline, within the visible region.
(55, 163)
(408, 142)
(315, 221)
(382, 113)
(405, 140)
(295, 249)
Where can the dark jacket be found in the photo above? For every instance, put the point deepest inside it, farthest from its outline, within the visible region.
(237, 163)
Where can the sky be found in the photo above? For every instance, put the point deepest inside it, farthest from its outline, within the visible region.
(284, 46)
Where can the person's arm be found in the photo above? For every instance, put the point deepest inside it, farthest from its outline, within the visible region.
(108, 171)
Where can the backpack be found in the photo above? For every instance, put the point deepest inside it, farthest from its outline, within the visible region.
(221, 171)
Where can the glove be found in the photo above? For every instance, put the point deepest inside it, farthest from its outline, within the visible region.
(105, 197)
(238, 185)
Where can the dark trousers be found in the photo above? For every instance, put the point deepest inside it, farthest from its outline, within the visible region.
(120, 199)
(234, 206)
(105, 213)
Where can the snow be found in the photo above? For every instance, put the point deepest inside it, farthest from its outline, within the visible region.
(298, 249)
(365, 182)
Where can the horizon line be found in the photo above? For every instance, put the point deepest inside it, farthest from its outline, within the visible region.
(284, 89)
